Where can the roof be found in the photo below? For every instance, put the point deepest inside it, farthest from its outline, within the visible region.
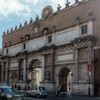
(2, 86)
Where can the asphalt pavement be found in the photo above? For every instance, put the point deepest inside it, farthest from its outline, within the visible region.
(67, 97)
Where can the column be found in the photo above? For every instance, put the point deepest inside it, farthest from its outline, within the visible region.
(43, 67)
(7, 73)
(89, 55)
(24, 70)
(2, 72)
(52, 68)
(89, 62)
(76, 68)
(18, 69)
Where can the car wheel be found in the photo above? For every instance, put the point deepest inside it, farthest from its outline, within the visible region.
(45, 96)
(28, 94)
(4, 99)
(38, 96)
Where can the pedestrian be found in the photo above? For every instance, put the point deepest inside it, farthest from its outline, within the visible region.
(60, 89)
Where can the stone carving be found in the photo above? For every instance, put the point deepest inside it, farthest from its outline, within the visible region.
(37, 17)
(48, 75)
(20, 25)
(7, 31)
(76, 1)
(31, 20)
(90, 15)
(27, 36)
(15, 27)
(67, 4)
(11, 29)
(47, 11)
(4, 33)
(59, 7)
(77, 21)
(25, 23)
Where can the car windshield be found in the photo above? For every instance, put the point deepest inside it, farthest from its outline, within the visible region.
(41, 88)
(7, 90)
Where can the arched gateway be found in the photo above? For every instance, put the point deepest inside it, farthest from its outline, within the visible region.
(64, 74)
(35, 73)
(14, 77)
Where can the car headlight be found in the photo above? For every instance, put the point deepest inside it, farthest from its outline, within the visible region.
(9, 96)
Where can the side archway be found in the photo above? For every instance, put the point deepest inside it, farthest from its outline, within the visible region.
(35, 72)
(14, 77)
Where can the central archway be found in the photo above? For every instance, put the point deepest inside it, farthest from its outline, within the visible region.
(35, 72)
(63, 75)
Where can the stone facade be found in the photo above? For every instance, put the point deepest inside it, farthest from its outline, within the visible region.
(0, 63)
(55, 49)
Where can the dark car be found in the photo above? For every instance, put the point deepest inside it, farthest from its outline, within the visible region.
(8, 93)
(37, 92)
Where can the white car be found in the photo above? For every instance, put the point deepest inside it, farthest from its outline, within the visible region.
(37, 92)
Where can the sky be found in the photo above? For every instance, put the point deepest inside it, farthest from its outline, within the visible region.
(14, 12)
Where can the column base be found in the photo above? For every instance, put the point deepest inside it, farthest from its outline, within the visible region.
(21, 84)
(83, 88)
(50, 86)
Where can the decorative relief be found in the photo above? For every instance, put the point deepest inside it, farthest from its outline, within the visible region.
(47, 75)
(47, 11)
(59, 7)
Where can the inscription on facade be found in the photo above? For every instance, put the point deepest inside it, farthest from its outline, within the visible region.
(65, 57)
(14, 64)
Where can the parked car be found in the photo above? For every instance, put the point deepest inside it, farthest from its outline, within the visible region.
(37, 92)
(8, 93)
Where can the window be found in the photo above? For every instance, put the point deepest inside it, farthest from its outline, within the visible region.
(50, 39)
(24, 46)
(84, 29)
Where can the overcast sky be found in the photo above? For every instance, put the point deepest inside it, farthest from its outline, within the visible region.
(14, 12)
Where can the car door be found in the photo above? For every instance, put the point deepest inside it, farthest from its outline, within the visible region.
(34, 92)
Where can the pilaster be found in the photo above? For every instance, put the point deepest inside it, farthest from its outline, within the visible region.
(2, 77)
(7, 72)
(43, 67)
(76, 68)
(24, 70)
(52, 67)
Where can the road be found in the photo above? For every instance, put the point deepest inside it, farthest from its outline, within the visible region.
(62, 98)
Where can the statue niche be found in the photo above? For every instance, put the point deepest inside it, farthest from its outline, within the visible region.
(48, 75)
